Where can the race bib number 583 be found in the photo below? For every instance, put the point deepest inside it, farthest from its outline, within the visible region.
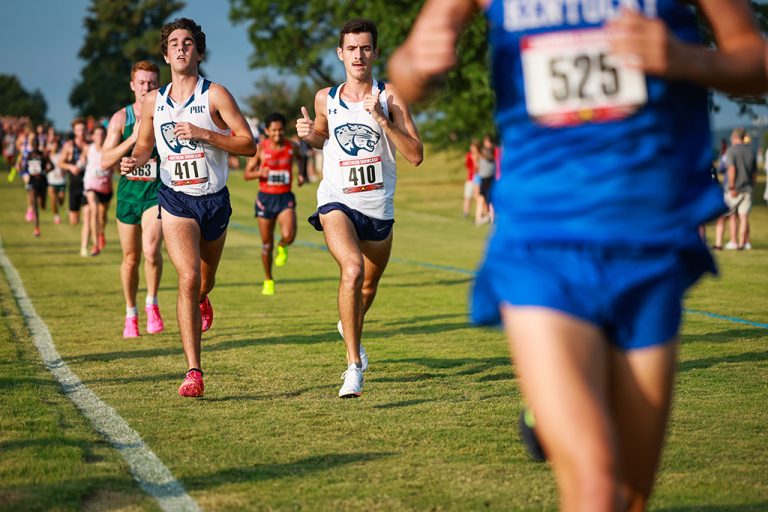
(571, 78)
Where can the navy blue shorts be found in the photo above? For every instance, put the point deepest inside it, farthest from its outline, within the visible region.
(269, 206)
(367, 228)
(211, 211)
(633, 295)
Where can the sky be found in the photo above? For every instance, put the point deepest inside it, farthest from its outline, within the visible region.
(41, 39)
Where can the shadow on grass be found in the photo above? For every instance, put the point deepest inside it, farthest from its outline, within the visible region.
(440, 282)
(296, 469)
(468, 367)
(708, 362)
(404, 403)
(757, 507)
(234, 342)
(7, 384)
(726, 336)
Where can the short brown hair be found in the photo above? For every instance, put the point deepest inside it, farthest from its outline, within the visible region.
(738, 133)
(185, 24)
(144, 65)
(78, 120)
(359, 26)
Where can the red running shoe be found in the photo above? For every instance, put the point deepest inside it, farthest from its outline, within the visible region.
(206, 314)
(193, 386)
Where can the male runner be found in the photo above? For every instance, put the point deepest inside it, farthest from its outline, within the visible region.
(273, 166)
(596, 237)
(138, 225)
(191, 119)
(73, 161)
(359, 125)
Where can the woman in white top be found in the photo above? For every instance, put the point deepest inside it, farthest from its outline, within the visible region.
(57, 181)
(98, 189)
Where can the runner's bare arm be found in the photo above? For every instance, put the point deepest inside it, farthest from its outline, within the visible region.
(145, 141)
(430, 49)
(400, 129)
(252, 167)
(114, 149)
(315, 132)
(224, 110)
(295, 163)
(737, 66)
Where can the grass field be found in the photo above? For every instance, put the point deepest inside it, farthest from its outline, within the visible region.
(436, 427)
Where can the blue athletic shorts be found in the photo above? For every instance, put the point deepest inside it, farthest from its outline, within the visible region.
(634, 295)
(211, 212)
(367, 228)
(269, 206)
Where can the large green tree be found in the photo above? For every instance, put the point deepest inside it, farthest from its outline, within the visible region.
(298, 38)
(118, 33)
(15, 100)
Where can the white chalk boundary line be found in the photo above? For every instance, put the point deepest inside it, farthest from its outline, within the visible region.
(147, 469)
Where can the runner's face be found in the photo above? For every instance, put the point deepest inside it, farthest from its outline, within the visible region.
(358, 55)
(143, 82)
(98, 136)
(182, 51)
(276, 132)
(79, 130)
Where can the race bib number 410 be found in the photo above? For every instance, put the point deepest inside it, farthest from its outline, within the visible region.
(571, 78)
(361, 175)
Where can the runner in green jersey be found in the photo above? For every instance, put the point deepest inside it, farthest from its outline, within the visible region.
(137, 221)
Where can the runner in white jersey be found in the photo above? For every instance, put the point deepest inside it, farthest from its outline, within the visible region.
(359, 125)
(194, 123)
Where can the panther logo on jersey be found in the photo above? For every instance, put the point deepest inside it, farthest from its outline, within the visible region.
(353, 137)
(175, 144)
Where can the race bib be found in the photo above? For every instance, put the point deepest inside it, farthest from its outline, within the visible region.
(34, 167)
(147, 172)
(188, 169)
(571, 78)
(361, 175)
(279, 177)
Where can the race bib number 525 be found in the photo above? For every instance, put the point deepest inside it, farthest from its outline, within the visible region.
(571, 78)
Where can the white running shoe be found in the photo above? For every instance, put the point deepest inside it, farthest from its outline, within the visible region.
(731, 246)
(747, 246)
(363, 354)
(353, 382)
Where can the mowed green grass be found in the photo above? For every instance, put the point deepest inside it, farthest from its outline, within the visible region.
(436, 426)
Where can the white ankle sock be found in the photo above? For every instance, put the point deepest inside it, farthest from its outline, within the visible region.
(131, 312)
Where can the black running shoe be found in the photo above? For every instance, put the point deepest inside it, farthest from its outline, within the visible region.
(528, 434)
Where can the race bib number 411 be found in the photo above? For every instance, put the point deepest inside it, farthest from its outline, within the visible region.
(571, 78)
(188, 169)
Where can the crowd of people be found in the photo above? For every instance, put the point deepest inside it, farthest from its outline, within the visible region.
(588, 286)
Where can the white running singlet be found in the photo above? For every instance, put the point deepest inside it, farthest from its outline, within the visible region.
(189, 166)
(358, 159)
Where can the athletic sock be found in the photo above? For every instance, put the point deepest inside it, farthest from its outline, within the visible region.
(131, 312)
(151, 300)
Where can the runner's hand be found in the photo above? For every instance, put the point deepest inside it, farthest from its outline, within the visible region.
(188, 131)
(127, 165)
(305, 127)
(372, 105)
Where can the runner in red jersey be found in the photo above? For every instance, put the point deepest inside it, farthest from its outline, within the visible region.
(273, 166)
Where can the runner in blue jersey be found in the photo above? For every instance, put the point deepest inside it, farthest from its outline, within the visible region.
(603, 118)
